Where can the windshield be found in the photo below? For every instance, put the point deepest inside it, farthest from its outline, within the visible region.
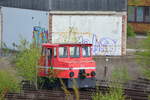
(63, 52)
(86, 52)
(74, 52)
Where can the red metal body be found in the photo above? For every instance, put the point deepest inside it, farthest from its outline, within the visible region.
(67, 61)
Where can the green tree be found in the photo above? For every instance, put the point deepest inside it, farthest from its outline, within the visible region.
(27, 60)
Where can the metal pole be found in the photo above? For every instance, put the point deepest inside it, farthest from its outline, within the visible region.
(106, 67)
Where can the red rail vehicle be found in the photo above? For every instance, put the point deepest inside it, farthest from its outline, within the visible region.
(68, 62)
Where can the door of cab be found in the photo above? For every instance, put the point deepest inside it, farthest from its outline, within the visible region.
(45, 60)
(48, 59)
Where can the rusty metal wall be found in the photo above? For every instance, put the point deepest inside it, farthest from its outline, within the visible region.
(68, 5)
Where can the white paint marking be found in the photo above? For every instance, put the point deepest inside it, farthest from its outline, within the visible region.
(75, 68)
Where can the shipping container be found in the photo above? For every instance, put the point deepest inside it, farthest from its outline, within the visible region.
(106, 31)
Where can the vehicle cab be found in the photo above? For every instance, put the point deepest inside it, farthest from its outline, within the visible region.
(67, 61)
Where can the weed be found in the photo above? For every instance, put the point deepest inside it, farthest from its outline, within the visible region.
(27, 61)
(8, 83)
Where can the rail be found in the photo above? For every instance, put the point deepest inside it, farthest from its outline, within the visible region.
(130, 92)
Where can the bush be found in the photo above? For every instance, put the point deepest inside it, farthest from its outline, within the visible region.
(27, 61)
(8, 83)
(130, 31)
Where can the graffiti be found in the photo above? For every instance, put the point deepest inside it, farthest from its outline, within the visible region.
(70, 35)
(102, 46)
(105, 46)
(40, 35)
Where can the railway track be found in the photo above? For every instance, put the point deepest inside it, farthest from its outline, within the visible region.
(131, 93)
(60, 95)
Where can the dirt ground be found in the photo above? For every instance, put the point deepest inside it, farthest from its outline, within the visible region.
(6, 64)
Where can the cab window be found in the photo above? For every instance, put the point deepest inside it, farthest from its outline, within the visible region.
(55, 52)
(49, 53)
(74, 52)
(63, 52)
(86, 51)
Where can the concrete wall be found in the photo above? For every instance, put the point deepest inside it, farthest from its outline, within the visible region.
(22, 23)
(104, 31)
(128, 62)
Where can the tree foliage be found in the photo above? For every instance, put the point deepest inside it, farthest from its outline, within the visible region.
(27, 60)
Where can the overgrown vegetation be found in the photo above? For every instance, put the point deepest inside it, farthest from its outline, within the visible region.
(134, 2)
(130, 31)
(8, 83)
(143, 57)
(121, 74)
(115, 91)
(27, 60)
(68, 94)
(113, 94)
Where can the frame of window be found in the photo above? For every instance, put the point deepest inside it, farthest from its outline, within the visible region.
(144, 14)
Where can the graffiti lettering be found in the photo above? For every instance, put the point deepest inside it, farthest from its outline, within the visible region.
(40, 35)
(102, 46)
(105, 46)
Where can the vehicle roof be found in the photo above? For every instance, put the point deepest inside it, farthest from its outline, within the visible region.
(60, 45)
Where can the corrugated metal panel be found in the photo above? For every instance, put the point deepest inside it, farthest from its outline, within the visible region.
(89, 5)
(27, 4)
(68, 5)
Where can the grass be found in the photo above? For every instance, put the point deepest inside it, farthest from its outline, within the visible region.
(113, 94)
(8, 83)
(143, 57)
(115, 91)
